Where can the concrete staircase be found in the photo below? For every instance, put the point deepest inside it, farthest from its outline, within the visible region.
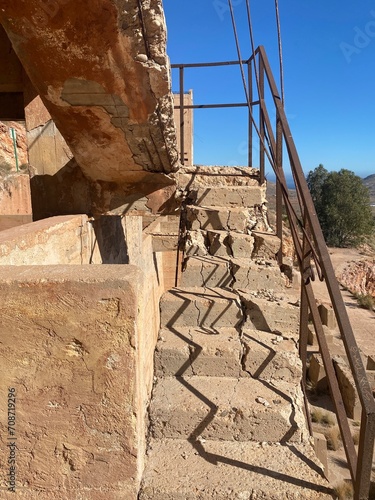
(226, 416)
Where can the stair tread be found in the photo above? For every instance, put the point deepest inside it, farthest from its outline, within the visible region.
(185, 338)
(198, 351)
(227, 408)
(221, 470)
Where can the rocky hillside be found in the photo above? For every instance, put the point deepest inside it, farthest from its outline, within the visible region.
(359, 277)
(7, 160)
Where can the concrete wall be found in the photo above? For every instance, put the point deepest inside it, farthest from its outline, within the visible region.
(69, 349)
(15, 201)
(59, 240)
(47, 149)
(77, 345)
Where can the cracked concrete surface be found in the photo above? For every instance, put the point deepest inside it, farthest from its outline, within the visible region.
(237, 471)
(179, 408)
(204, 307)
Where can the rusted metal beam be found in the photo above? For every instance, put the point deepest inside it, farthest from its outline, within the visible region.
(182, 117)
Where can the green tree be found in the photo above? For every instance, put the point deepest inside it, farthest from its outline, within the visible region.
(315, 180)
(342, 205)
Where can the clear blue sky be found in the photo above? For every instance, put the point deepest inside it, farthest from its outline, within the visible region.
(329, 65)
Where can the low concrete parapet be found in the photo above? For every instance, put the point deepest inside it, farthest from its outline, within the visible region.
(70, 351)
(58, 240)
(317, 374)
(347, 387)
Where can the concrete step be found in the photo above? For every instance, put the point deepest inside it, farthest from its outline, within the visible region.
(192, 351)
(196, 243)
(220, 470)
(208, 308)
(220, 243)
(249, 275)
(242, 409)
(279, 313)
(193, 177)
(225, 272)
(229, 196)
(271, 357)
(266, 245)
(207, 271)
(242, 220)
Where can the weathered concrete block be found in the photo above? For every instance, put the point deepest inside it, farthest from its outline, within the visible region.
(219, 243)
(195, 177)
(251, 276)
(218, 218)
(242, 220)
(142, 137)
(230, 196)
(371, 378)
(347, 388)
(320, 445)
(195, 243)
(266, 245)
(327, 316)
(233, 409)
(317, 373)
(270, 357)
(241, 245)
(69, 348)
(278, 316)
(370, 362)
(207, 272)
(164, 242)
(203, 307)
(58, 240)
(312, 337)
(164, 232)
(191, 351)
(15, 201)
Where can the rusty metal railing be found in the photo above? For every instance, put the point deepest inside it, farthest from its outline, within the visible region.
(275, 137)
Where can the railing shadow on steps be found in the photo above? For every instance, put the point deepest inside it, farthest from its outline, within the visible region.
(274, 138)
(194, 437)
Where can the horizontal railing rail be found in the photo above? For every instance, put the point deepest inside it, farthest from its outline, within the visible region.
(311, 251)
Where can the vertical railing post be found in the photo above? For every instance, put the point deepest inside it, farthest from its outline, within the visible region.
(182, 117)
(279, 195)
(261, 119)
(250, 104)
(365, 456)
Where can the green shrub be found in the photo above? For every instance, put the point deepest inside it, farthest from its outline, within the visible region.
(365, 301)
(333, 437)
(344, 490)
